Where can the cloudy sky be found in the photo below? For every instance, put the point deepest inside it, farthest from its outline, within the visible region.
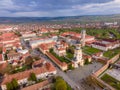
(54, 8)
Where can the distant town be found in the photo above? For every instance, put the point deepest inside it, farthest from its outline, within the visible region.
(65, 56)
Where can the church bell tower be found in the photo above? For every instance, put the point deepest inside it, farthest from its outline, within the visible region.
(78, 60)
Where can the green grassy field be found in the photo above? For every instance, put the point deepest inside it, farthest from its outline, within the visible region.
(70, 55)
(90, 50)
(111, 53)
(62, 59)
(111, 81)
(21, 69)
(98, 33)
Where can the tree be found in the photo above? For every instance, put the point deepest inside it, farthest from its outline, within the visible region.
(32, 77)
(86, 62)
(36, 57)
(29, 60)
(8, 68)
(71, 49)
(0, 50)
(70, 67)
(18, 33)
(9, 86)
(51, 50)
(14, 83)
(60, 84)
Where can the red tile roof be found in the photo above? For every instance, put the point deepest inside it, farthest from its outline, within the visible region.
(25, 74)
(49, 66)
(61, 49)
(86, 56)
(109, 40)
(1, 57)
(13, 54)
(3, 66)
(44, 47)
(75, 35)
(98, 54)
(36, 63)
(37, 86)
(44, 30)
(56, 60)
(100, 44)
(8, 36)
(1, 45)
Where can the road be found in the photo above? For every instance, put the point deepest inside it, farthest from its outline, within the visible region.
(74, 78)
(73, 85)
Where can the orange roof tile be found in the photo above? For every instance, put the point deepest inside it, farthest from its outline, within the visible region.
(56, 60)
(1, 57)
(37, 86)
(25, 74)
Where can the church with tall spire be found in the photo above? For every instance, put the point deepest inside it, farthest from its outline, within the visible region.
(78, 59)
(83, 34)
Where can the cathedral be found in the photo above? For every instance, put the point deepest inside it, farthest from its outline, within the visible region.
(78, 59)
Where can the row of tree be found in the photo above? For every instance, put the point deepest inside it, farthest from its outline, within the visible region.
(32, 77)
(13, 85)
(60, 84)
(99, 33)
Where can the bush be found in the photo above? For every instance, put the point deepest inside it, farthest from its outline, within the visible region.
(29, 61)
(32, 77)
(70, 67)
(87, 62)
(60, 84)
(13, 85)
(9, 86)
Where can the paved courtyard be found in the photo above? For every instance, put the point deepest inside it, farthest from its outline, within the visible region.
(79, 75)
(83, 72)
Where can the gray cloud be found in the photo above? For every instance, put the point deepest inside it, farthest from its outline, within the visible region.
(43, 8)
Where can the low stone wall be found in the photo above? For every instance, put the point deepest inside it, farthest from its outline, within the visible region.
(108, 87)
(101, 70)
(112, 60)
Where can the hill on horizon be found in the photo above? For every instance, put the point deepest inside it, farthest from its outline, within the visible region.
(64, 19)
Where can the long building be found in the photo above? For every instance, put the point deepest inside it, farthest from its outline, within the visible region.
(41, 69)
(37, 41)
(106, 44)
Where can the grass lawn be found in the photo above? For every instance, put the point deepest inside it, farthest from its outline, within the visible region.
(112, 53)
(99, 33)
(111, 81)
(70, 52)
(90, 50)
(69, 55)
(62, 59)
(21, 69)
